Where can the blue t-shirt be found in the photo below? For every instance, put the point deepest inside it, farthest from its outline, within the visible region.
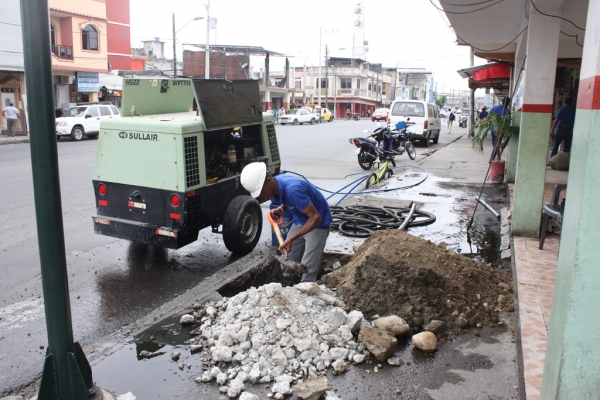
(297, 194)
(566, 115)
(483, 114)
(500, 110)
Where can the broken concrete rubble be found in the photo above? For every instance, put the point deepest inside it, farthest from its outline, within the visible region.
(312, 389)
(425, 341)
(382, 344)
(393, 324)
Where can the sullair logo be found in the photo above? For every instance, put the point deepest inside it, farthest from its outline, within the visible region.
(153, 137)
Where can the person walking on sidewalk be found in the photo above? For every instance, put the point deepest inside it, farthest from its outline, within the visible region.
(305, 241)
(450, 118)
(482, 114)
(12, 115)
(565, 120)
(501, 110)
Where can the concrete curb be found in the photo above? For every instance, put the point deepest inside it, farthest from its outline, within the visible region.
(15, 140)
(423, 161)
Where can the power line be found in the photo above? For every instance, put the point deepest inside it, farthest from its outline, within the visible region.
(465, 12)
(575, 36)
(499, 48)
(466, 5)
(556, 16)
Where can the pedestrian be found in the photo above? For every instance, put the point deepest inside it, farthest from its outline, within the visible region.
(501, 110)
(565, 120)
(369, 113)
(282, 111)
(305, 241)
(450, 118)
(482, 114)
(12, 115)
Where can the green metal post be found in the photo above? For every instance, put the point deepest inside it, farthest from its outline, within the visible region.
(66, 373)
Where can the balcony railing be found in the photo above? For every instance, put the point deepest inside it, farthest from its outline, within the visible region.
(63, 52)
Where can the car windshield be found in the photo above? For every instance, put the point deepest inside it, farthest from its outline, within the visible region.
(75, 112)
(408, 109)
(381, 110)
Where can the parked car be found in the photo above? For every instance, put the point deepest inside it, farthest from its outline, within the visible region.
(84, 120)
(327, 115)
(380, 114)
(425, 116)
(299, 116)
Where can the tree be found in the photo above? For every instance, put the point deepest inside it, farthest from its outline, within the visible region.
(440, 100)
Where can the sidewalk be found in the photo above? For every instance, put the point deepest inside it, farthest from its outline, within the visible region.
(13, 140)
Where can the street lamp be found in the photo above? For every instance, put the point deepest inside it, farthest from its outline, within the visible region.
(327, 76)
(175, 42)
(320, 45)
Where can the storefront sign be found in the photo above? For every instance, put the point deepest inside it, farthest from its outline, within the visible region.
(87, 82)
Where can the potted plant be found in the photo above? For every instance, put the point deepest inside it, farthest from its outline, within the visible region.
(504, 131)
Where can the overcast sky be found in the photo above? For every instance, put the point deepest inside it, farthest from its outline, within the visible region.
(411, 33)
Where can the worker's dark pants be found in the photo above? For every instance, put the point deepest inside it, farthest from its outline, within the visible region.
(565, 134)
(307, 250)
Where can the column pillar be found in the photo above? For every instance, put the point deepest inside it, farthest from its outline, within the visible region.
(513, 146)
(530, 175)
(571, 370)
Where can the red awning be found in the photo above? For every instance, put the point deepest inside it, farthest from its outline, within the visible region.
(493, 71)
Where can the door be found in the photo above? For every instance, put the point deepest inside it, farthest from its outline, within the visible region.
(92, 120)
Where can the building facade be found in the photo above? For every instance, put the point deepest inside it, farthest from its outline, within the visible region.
(119, 36)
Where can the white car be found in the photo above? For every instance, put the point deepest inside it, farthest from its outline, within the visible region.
(84, 120)
(299, 116)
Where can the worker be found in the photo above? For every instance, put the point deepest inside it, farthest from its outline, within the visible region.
(565, 120)
(305, 241)
(483, 113)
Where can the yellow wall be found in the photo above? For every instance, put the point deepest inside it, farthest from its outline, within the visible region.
(91, 8)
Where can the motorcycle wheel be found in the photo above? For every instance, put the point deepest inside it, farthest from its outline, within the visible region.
(410, 150)
(365, 160)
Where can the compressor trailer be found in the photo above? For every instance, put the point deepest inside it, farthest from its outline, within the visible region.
(171, 166)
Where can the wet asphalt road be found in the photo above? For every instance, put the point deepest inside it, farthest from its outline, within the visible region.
(111, 281)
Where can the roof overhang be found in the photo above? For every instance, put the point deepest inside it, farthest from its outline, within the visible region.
(494, 75)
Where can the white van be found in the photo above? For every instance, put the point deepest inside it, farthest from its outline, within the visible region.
(426, 118)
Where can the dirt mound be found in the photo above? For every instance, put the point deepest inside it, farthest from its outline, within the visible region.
(394, 272)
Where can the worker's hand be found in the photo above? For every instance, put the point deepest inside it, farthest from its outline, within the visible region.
(276, 213)
(287, 245)
(552, 135)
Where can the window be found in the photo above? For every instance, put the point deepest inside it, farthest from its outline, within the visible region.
(346, 83)
(358, 83)
(408, 109)
(89, 38)
(298, 84)
(324, 82)
(114, 109)
(93, 111)
(370, 86)
(104, 111)
(52, 37)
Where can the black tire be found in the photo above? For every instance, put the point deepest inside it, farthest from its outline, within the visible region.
(410, 150)
(425, 141)
(388, 174)
(371, 180)
(312, 121)
(242, 225)
(436, 139)
(57, 138)
(295, 121)
(77, 133)
(393, 162)
(330, 119)
(94, 136)
(364, 160)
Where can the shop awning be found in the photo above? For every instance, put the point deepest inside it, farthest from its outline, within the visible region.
(494, 75)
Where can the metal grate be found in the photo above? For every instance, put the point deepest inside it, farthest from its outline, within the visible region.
(192, 172)
(193, 208)
(274, 149)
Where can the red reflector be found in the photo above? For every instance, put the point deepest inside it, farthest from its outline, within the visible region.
(131, 204)
(102, 189)
(103, 203)
(175, 200)
(192, 193)
(175, 216)
(356, 143)
(426, 125)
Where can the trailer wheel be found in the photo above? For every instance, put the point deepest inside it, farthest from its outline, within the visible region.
(242, 225)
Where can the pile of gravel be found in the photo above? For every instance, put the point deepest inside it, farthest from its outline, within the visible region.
(282, 335)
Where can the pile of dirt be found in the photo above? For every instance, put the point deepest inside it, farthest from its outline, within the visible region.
(393, 272)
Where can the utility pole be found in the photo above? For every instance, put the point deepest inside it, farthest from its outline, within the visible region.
(174, 51)
(326, 77)
(319, 81)
(334, 94)
(207, 59)
(472, 100)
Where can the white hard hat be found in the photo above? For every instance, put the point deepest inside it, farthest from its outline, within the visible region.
(253, 177)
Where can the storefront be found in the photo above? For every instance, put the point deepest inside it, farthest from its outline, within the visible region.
(87, 86)
(11, 90)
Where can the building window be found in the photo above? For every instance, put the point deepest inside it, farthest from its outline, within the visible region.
(346, 83)
(123, 32)
(324, 82)
(370, 86)
(358, 83)
(52, 36)
(298, 84)
(89, 38)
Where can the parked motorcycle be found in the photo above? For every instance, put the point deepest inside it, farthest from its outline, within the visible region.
(387, 144)
(462, 121)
